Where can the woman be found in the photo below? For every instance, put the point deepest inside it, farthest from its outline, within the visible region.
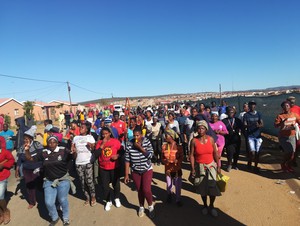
(172, 123)
(172, 158)
(286, 122)
(156, 133)
(57, 181)
(204, 159)
(138, 155)
(108, 149)
(82, 146)
(233, 139)
(132, 126)
(31, 170)
(220, 129)
(6, 163)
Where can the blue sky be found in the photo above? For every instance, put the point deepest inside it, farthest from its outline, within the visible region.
(146, 47)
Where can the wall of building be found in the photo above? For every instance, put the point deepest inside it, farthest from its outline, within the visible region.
(12, 109)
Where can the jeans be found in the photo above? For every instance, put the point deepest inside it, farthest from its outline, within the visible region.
(254, 143)
(3, 186)
(61, 193)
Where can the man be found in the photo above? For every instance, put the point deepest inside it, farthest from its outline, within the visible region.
(98, 121)
(181, 121)
(7, 134)
(253, 123)
(119, 125)
(241, 117)
(295, 109)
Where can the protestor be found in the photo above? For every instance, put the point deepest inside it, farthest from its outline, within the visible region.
(32, 171)
(286, 122)
(220, 130)
(156, 137)
(253, 123)
(8, 135)
(82, 146)
(138, 156)
(172, 158)
(204, 159)
(233, 139)
(57, 181)
(6, 163)
(109, 152)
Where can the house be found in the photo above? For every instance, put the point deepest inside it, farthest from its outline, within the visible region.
(61, 106)
(12, 108)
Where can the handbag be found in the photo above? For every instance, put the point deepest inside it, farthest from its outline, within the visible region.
(222, 181)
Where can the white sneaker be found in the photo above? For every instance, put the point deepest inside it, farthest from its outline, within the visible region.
(108, 206)
(118, 203)
(141, 212)
(151, 212)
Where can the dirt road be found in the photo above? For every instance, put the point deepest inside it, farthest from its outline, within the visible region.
(251, 199)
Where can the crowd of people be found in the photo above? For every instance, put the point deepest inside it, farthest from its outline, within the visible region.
(114, 145)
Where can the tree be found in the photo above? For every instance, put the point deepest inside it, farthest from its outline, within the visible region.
(28, 112)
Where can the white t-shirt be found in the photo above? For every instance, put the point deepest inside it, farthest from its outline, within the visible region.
(83, 153)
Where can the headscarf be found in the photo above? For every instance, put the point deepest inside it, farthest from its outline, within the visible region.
(171, 133)
(202, 123)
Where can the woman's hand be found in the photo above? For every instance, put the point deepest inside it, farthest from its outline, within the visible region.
(114, 157)
(126, 179)
(219, 170)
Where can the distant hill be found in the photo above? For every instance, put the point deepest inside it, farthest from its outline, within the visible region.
(108, 100)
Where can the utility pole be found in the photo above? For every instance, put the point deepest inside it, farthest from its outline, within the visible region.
(69, 90)
(220, 89)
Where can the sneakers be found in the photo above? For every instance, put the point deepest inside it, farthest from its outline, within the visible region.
(53, 223)
(205, 211)
(214, 212)
(66, 222)
(141, 212)
(108, 206)
(151, 212)
(118, 203)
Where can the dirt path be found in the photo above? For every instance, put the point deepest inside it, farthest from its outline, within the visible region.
(251, 199)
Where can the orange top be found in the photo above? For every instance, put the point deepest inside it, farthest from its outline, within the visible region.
(171, 155)
(204, 152)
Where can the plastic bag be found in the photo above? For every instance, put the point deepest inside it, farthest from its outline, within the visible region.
(222, 181)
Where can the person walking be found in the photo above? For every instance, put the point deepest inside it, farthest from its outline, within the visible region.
(253, 123)
(109, 152)
(8, 135)
(6, 163)
(204, 159)
(172, 158)
(138, 156)
(57, 181)
(82, 146)
(286, 122)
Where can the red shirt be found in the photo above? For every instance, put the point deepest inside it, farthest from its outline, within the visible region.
(6, 159)
(121, 127)
(111, 147)
(295, 109)
(204, 152)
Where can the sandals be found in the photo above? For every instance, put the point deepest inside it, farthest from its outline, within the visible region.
(94, 202)
(86, 203)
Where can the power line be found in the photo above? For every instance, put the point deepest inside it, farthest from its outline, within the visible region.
(31, 79)
(29, 91)
(88, 89)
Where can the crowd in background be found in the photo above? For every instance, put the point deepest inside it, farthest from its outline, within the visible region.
(106, 145)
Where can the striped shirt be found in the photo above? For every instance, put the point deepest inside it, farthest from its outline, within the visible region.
(139, 162)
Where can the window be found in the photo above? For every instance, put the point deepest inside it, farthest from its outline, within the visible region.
(16, 112)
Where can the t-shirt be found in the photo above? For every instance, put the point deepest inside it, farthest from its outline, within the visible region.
(83, 153)
(250, 120)
(7, 135)
(120, 126)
